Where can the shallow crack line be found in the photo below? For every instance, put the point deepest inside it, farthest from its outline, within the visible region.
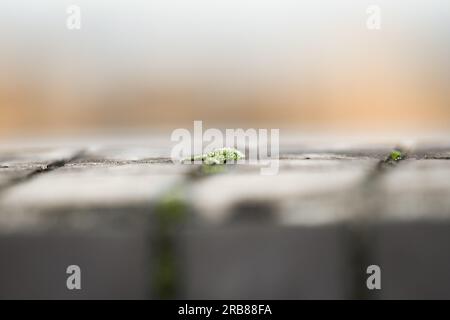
(42, 170)
(431, 157)
(385, 165)
(167, 275)
(360, 237)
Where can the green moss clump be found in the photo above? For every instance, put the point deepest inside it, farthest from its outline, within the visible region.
(219, 156)
(396, 155)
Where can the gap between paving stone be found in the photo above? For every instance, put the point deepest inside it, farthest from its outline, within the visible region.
(171, 211)
(359, 238)
(51, 166)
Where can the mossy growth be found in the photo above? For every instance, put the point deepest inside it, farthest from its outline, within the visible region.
(171, 208)
(396, 155)
(219, 156)
(171, 212)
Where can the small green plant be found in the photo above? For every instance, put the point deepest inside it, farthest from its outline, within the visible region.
(218, 156)
(170, 212)
(396, 155)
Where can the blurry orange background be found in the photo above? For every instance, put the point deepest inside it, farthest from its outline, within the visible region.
(161, 64)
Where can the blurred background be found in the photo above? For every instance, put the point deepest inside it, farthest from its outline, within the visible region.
(160, 64)
(141, 226)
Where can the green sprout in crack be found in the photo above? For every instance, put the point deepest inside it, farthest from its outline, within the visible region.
(171, 212)
(218, 156)
(395, 155)
(171, 207)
